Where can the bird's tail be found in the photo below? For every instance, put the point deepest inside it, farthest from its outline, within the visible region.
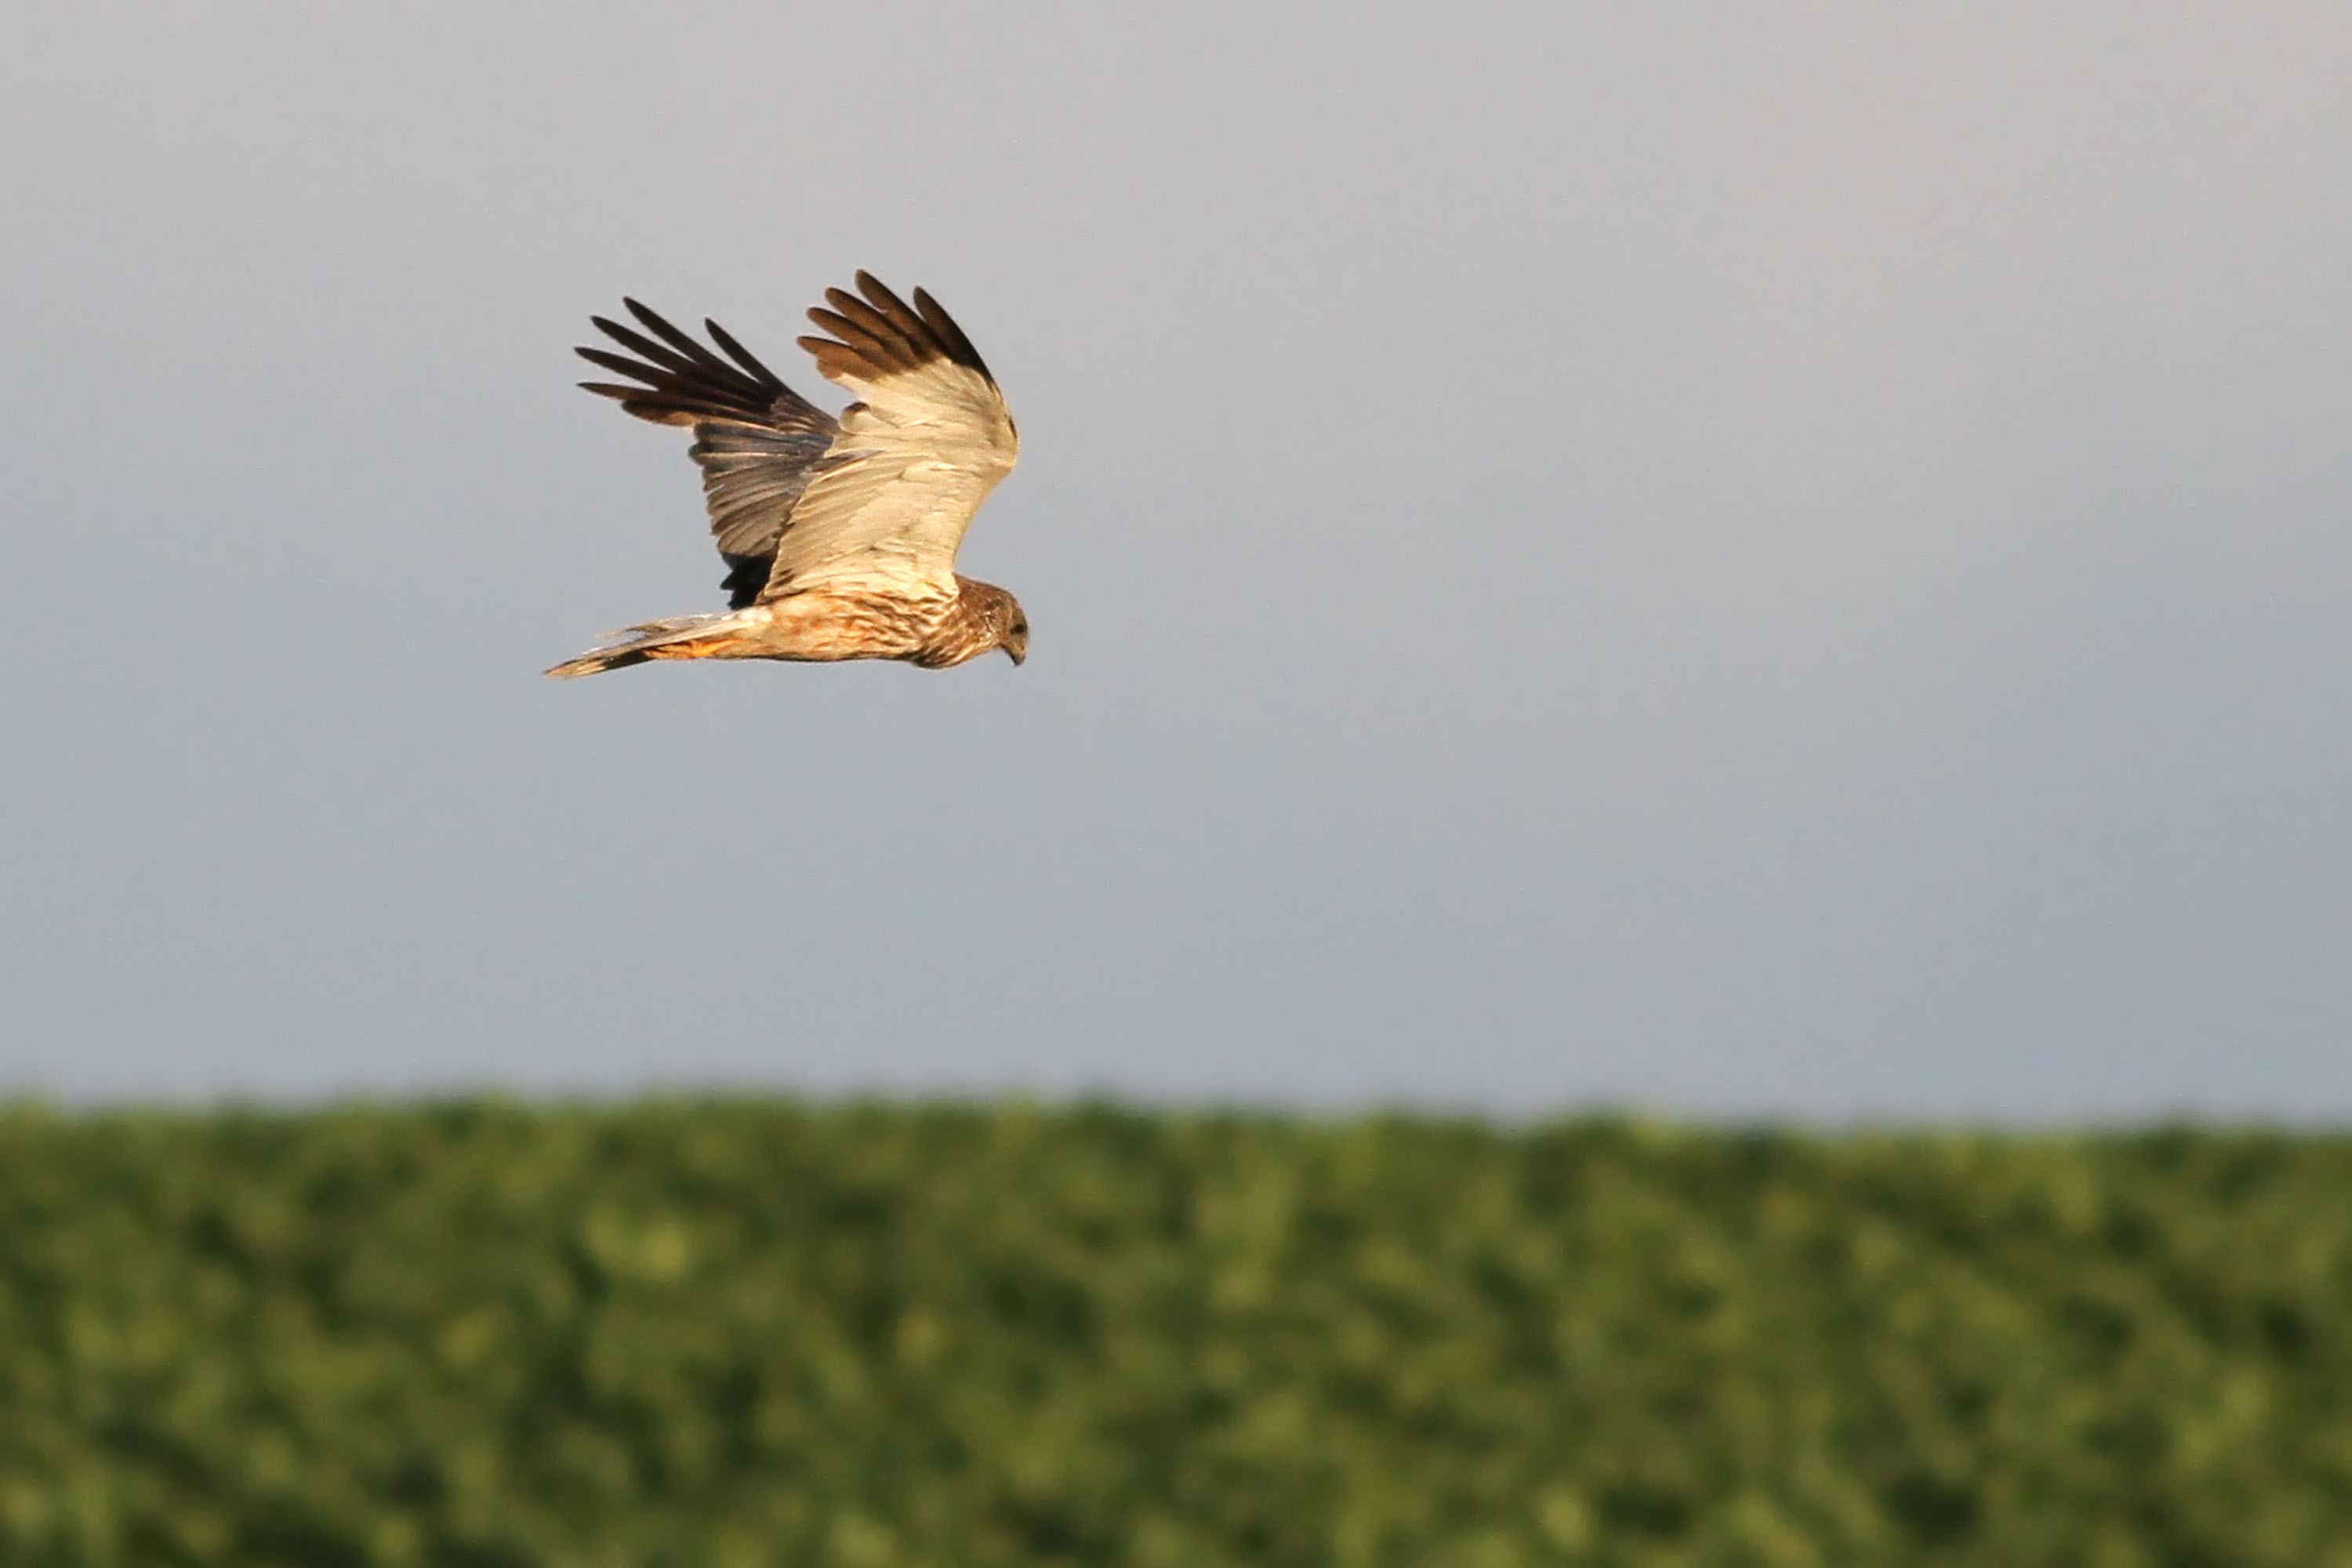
(687, 637)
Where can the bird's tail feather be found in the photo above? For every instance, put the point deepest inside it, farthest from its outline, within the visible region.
(635, 644)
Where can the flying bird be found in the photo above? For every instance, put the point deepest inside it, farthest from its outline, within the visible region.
(839, 534)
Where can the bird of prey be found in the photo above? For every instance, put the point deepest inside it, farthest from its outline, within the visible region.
(839, 534)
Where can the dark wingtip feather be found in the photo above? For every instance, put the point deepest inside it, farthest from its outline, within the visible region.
(637, 401)
(902, 350)
(682, 342)
(886, 333)
(950, 336)
(612, 329)
(879, 293)
(742, 356)
(858, 350)
(684, 380)
(636, 343)
(910, 328)
(833, 361)
(604, 359)
(834, 321)
(654, 322)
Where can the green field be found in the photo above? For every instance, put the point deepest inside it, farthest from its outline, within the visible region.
(751, 1331)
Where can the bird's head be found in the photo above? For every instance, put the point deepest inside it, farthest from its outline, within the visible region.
(993, 618)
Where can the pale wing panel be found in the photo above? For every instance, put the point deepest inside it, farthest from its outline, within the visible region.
(915, 456)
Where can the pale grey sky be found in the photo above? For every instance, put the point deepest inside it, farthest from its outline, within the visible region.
(1775, 560)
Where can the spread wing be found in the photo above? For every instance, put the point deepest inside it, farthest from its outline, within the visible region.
(929, 437)
(758, 442)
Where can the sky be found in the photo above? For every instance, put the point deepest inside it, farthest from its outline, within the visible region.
(1777, 562)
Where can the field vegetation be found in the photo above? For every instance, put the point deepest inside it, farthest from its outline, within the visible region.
(487, 1335)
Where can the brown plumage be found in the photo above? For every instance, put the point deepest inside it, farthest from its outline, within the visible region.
(839, 535)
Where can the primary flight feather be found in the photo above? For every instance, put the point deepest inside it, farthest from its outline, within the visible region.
(839, 534)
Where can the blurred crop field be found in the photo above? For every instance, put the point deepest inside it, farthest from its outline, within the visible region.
(741, 1332)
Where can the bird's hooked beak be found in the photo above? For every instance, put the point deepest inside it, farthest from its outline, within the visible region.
(1016, 652)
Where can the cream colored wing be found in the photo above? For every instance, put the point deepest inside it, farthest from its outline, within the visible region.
(929, 437)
